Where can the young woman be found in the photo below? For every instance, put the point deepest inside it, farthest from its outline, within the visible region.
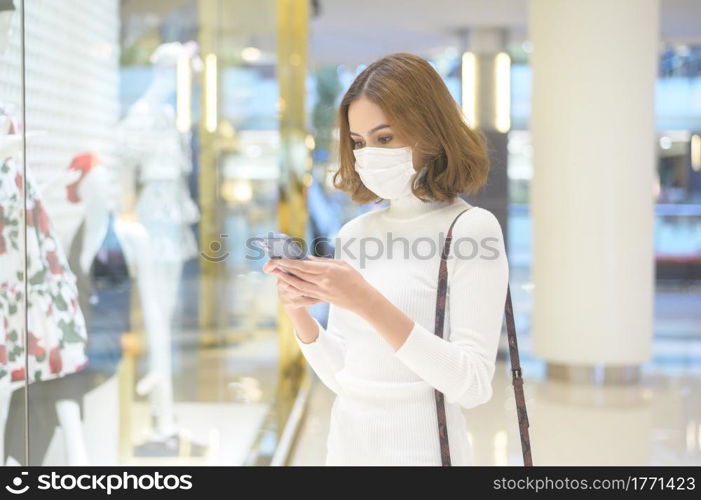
(402, 138)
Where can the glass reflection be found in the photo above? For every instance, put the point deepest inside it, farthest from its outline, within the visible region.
(14, 358)
(152, 335)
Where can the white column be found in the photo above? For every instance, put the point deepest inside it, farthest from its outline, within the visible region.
(594, 69)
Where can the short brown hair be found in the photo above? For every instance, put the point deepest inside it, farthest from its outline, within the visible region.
(419, 106)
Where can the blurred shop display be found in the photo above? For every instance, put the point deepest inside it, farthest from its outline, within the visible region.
(54, 346)
(154, 225)
(121, 369)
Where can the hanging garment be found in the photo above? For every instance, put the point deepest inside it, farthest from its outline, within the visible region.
(56, 332)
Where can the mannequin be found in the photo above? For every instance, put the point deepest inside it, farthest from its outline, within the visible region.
(154, 227)
(57, 337)
(96, 191)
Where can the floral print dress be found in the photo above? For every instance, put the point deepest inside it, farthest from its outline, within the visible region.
(56, 330)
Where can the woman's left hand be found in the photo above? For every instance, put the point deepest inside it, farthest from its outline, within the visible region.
(330, 280)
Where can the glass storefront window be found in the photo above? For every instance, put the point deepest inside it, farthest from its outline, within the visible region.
(20, 361)
(154, 153)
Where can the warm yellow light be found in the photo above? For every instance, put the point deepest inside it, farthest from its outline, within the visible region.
(307, 179)
(237, 190)
(250, 54)
(211, 118)
(184, 94)
(469, 88)
(502, 92)
(696, 152)
(309, 142)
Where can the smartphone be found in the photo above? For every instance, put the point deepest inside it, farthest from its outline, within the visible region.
(280, 246)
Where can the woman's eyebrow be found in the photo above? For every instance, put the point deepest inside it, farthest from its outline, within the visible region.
(384, 125)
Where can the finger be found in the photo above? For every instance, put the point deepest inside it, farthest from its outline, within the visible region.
(280, 271)
(306, 295)
(303, 274)
(296, 282)
(327, 260)
(287, 290)
(290, 293)
(310, 266)
(306, 301)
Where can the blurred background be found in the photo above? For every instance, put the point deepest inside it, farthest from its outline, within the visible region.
(151, 138)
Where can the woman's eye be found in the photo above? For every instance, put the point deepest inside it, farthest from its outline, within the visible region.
(356, 144)
(385, 139)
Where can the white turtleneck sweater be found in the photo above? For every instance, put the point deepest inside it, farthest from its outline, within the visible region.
(384, 412)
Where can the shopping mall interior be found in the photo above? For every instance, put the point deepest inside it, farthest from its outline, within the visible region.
(145, 141)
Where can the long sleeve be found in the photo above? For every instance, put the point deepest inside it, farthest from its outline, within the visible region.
(327, 353)
(462, 366)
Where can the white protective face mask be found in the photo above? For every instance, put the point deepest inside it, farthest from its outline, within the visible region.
(387, 172)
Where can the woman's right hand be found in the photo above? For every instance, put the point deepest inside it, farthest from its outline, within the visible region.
(290, 296)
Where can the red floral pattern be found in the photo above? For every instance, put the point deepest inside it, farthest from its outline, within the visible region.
(18, 374)
(56, 334)
(54, 264)
(55, 360)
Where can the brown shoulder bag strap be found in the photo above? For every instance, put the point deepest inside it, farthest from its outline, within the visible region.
(516, 381)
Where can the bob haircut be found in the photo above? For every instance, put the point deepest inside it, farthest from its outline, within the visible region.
(420, 108)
